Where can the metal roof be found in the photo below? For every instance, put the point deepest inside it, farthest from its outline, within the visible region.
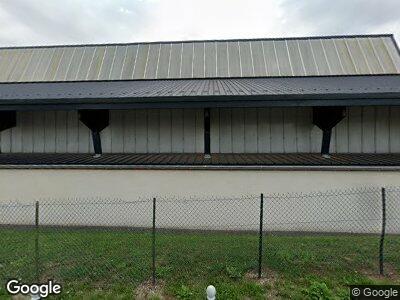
(241, 92)
(312, 56)
(193, 160)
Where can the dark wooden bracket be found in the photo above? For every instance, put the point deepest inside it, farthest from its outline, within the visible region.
(327, 118)
(8, 119)
(96, 121)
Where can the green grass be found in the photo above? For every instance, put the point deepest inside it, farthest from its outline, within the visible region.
(99, 264)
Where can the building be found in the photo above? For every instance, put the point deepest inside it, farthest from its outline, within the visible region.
(203, 118)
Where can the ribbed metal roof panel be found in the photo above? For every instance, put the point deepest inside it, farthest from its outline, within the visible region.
(342, 55)
(283, 88)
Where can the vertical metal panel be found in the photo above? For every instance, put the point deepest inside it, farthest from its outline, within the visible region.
(189, 130)
(342, 135)
(85, 63)
(73, 67)
(246, 59)
(165, 131)
(259, 65)
(250, 130)
(222, 59)
(320, 57)
(332, 56)
(214, 130)
(393, 52)
(61, 131)
(303, 128)
(116, 126)
(128, 65)
(210, 59)
(383, 55)
(373, 62)
(177, 130)
(307, 57)
(20, 66)
(153, 133)
(237, 130)
(187, 60)
(163, 61)
(295, 58)
(225, 130)
(44, 62)
(106, 136)
(394, 124)
(16, 135)
(64, 63)
(198, 60)
(9, 65)
(345, 57)
(5, 60)
(50, 132)
(96, 64)
(283, 58)
(141, 61)
(357, 56)
(27, 132)
(6, 143)
(152, 60)
(175, 61)
(141, 134)
(355, 129)
(382, 129)
(264, 130)
(118, 62)
(84, 137)
(199, 131)
(107, 63)
(129, 131)
(315, 139)
(31, 66)
(277, 130)
(54, 64)
(368, 129)
(270, 58)
(234, 59)
(289, 130)
(72, 132)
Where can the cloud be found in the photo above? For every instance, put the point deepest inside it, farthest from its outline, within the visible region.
(33, 22)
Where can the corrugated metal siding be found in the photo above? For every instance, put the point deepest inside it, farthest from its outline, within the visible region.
(139, 131)
(290, 130)
(210, 59)
(263, 130)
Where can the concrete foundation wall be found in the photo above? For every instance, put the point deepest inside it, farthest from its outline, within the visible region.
(179, 191)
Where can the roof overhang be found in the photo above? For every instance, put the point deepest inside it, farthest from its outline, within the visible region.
(196, 93)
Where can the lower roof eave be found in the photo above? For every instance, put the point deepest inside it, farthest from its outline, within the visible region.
(206, 167)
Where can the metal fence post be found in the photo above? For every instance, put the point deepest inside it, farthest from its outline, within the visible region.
(37, 240)
(382, 241)
(260, 242)
(154, 243)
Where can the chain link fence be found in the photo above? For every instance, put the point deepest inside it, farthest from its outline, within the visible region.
(98, 243)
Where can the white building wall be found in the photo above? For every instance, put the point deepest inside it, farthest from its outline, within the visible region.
(252, 130)
(109, 197)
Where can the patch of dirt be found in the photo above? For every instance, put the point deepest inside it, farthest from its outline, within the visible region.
(389, 273)
(268, 280)
(146, 290)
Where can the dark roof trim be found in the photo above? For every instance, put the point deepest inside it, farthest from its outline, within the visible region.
(207, 41)
(243, 92)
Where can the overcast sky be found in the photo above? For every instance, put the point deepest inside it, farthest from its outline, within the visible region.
(38, 22)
